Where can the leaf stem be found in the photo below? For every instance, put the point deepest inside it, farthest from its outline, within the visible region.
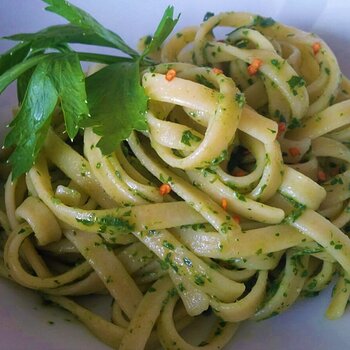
(101, 58)
(14, 72)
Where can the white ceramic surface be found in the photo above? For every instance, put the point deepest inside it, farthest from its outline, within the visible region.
(24, 322)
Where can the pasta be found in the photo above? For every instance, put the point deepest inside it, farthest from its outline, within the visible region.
(236, 200)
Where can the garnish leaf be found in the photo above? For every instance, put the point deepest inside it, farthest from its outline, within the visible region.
(100, 58)
(69, 80)
(55, 35)
(82, 19)
(117, 103)
(22, 84)
(163, 30)
(116, 99)
(24, 78)
(15, 71)
(58, 77)
(13, 56)
(32, 122)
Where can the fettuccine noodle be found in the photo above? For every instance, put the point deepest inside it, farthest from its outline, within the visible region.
(236, 200)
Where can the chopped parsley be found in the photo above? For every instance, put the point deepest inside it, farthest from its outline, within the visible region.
(295, 82)
(276, 63)
(240, 99)
(201, 79)
(188, 136)
(207, 16)
(263, 21)
(168, 245)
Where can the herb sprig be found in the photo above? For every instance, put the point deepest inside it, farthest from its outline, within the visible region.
(49, 76)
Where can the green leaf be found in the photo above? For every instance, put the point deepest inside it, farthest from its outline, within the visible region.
(117, 103)
(69, 80)
(13, 56)
(57, 77)
(46, 80)
(24, 78)
(83, 20)
(22, 84)
(163, 30)
(55, 35)
(31, 123)
(100, 58)
(15, 71)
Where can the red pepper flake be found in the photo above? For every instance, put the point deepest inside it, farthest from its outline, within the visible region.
(316, 47)
(237, 219)
(239, 172)
(321, 175)
(170, 75)
(224, 203)
(254, 66)
(294, 151)
(281, 127)
(217, 71)
(164, 189)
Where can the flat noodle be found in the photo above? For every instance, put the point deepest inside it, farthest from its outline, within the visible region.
(236, 199)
